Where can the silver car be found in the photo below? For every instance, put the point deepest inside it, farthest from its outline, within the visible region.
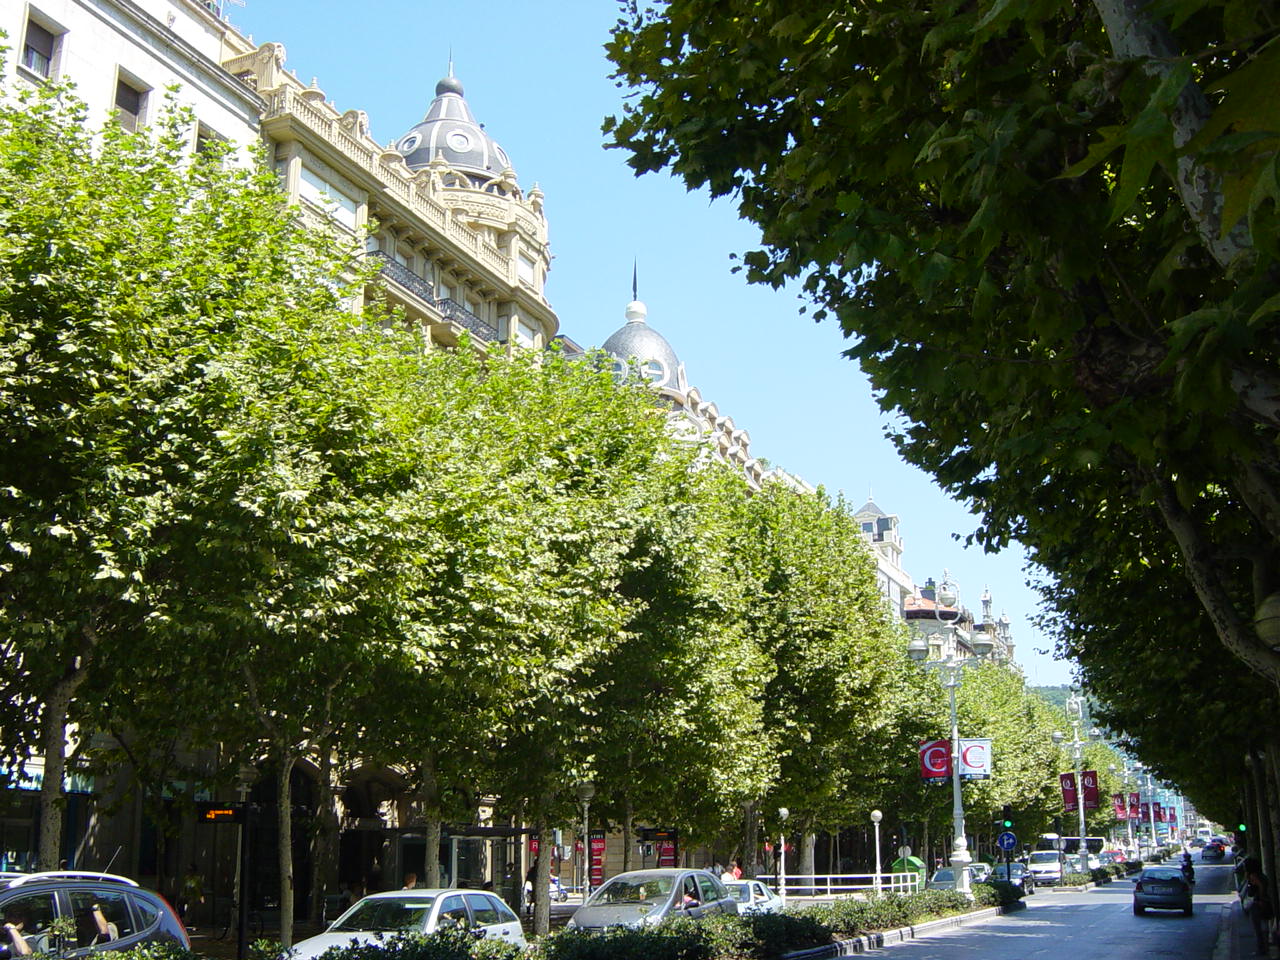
(645, 897)
(1162, 888)
(382, 916)
(754, 896)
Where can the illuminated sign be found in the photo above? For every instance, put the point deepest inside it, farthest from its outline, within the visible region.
(226, 812)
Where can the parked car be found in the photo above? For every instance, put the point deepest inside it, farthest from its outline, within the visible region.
(1213, 851)
(1161, 888)
(944, 878)
(754, 896)
(106, 912)
(1016, 874)
(644, 897)
(1046, 866)
(383, 916)
(979, 871)
(1113, 856)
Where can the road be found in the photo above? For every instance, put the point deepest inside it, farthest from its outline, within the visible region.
(1098, 922)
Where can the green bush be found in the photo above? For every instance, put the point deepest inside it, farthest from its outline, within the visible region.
(1074, 879)
(679, 939)
(997, 893)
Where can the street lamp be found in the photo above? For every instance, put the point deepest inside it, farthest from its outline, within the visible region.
(1151, 801)
(586, 790)
(783, 813)
(876, 817)
(948, 596)
(1075, 710)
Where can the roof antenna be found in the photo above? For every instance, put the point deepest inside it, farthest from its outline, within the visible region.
(634, 287)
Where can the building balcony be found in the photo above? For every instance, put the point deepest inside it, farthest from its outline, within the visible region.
(453, 315)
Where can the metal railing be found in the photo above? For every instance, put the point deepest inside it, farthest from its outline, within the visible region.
(402, 275)
(461, 315)
(844, 884)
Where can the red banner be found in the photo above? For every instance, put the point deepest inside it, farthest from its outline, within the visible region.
(533, 844)
(935, 759)
(1158, 812)
(597, 857)
(666, 853)
(1146, 813)
(1089, 787)
(1173, 817)
(1135, 810)
(1119, 806)
(1068, 781)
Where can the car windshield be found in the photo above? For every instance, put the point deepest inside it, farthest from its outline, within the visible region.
(1005, 870)
(633, 890)
(385, 915)
(1162, 874)
(739, 891)
(944, 874)
(1044, 856)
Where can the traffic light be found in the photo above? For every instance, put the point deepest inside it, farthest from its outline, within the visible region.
(1241, 828)
(1007, 817)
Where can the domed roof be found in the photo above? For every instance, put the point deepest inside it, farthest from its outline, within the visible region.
(449, 128)
(638, 343)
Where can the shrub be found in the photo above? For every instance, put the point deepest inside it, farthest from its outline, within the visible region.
(997, 893)
(679, 939)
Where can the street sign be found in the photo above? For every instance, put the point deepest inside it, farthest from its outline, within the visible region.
(1007, 841)
(904, 851)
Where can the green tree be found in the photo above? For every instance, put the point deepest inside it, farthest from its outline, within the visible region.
(1049, 229)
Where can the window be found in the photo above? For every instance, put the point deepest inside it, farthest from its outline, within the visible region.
(403, 258)
(526, 335)
(100, 916)
(453, 912)
(504, 912)
(316, 189)
(38, 48)
(130, 101)
(208, 142)
(482, 910)
(525, 267)
(34, 915)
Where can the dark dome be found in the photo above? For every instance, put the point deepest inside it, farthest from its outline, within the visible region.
(637, 342)
(450, 129)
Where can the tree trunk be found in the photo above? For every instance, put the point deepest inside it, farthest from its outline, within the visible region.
(324, 843)
(284, 845)
(808, 851)
(1269, 802)
(542, 878)
(53, 745)
(750, 841)
(431, 866)
(1135, 35)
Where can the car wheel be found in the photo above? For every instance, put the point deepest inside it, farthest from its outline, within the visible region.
(1138, 911)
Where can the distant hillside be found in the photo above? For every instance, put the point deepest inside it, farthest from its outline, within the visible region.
(1057, 696)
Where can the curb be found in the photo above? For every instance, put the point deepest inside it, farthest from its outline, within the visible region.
(872, 941)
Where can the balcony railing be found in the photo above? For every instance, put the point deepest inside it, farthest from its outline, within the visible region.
(425, 289)
(461, 315)
(419, 286)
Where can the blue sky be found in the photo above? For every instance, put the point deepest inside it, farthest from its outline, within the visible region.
(537, 77)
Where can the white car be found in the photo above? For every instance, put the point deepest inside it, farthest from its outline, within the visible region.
(382, 916)
(754, 896)
(1046, 866)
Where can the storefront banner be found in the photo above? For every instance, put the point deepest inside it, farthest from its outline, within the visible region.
(1135, 810)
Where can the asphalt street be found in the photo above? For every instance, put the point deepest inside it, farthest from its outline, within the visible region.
(1097, 922)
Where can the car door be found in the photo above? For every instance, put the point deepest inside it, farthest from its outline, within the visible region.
(104, 920)
(34, 913)
(494, 919)
(715, 898)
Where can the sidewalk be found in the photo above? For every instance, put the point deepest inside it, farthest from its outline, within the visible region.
(1235, 936)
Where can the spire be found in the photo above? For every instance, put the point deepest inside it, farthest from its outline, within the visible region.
(635, 294)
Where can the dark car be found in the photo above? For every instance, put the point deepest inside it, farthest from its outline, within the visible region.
(1161, 888)
(67, 912)
(1213, 851)
(1016, 874)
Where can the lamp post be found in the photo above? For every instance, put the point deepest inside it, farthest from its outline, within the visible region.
(783, 813)
(1151, 802)
(948, 596)
(586, 790)
(876, 817)
(1075, 710)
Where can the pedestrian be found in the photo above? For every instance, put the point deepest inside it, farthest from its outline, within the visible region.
(410, 880)
(737, 868)
(529, 878)
(726, 875)
(192, 891)
(1255, 900)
